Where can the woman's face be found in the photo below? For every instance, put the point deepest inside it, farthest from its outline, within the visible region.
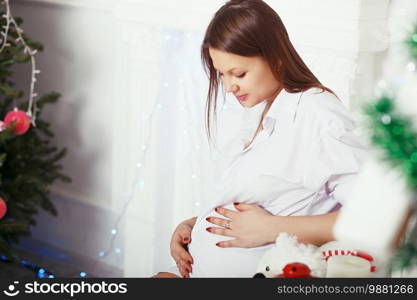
(250, 76)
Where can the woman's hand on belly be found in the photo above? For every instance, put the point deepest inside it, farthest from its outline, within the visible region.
(179, 243)
(251, 226)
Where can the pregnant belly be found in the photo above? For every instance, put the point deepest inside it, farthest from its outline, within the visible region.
(213, 261)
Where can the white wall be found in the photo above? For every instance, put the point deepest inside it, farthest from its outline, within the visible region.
(340, 41)
(103, 57)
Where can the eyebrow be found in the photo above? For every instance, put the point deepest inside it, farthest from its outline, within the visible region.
(230, 69)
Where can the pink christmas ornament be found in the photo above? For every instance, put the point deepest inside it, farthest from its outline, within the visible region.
(3, 208)
(20, 119)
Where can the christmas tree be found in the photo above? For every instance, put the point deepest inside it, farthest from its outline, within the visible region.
(29, 164)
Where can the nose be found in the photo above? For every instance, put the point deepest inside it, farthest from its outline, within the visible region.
(230, 87)
(259, 275)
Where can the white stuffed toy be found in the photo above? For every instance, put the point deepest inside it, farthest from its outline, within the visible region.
(289, 258)
(287, 250)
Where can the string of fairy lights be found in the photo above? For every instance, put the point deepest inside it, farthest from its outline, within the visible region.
(138, 183)
(4, 41)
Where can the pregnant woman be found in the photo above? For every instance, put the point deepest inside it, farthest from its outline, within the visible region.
(292, 165)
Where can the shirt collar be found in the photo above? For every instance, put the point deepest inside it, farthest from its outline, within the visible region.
(276, 104)
(250, 121)
(252, 115)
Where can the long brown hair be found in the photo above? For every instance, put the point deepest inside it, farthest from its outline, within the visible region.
(252, 28)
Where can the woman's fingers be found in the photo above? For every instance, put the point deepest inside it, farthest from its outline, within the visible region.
(226, 212)
(182, 258)
(185, 256)
(184, 268)
(229, 244)
(244, 206)
(178, 252)
(220, 231)
(183, 271)
(218, 221)
(222, 223)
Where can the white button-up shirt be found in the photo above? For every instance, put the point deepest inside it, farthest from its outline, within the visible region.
(303, 162)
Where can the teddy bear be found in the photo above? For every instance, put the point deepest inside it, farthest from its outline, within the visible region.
(289, 258)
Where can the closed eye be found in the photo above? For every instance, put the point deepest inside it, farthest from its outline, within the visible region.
(238, 76)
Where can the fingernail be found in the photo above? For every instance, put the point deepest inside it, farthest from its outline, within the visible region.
(208, 229)
(216, 209)
(208, 219)
(218, 244)
(236, 203)
(185, 239)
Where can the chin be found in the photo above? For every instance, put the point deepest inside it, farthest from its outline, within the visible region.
(245, 104)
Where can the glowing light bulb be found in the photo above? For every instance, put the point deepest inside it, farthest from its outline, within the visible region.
(411, 66)
(386, 119)
(141, 184)
(382, 84)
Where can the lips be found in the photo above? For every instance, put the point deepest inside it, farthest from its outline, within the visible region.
(242, 97)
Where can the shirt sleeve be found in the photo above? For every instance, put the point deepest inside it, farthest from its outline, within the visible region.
(336, 155)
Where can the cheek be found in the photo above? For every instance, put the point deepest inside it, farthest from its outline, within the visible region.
(260, 87)
(249, 85)
(265, 86)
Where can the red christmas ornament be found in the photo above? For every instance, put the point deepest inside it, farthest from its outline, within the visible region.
(20, 119)
(295, 270)
(3, 208)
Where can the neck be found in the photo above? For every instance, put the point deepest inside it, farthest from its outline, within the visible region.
(275, 95)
